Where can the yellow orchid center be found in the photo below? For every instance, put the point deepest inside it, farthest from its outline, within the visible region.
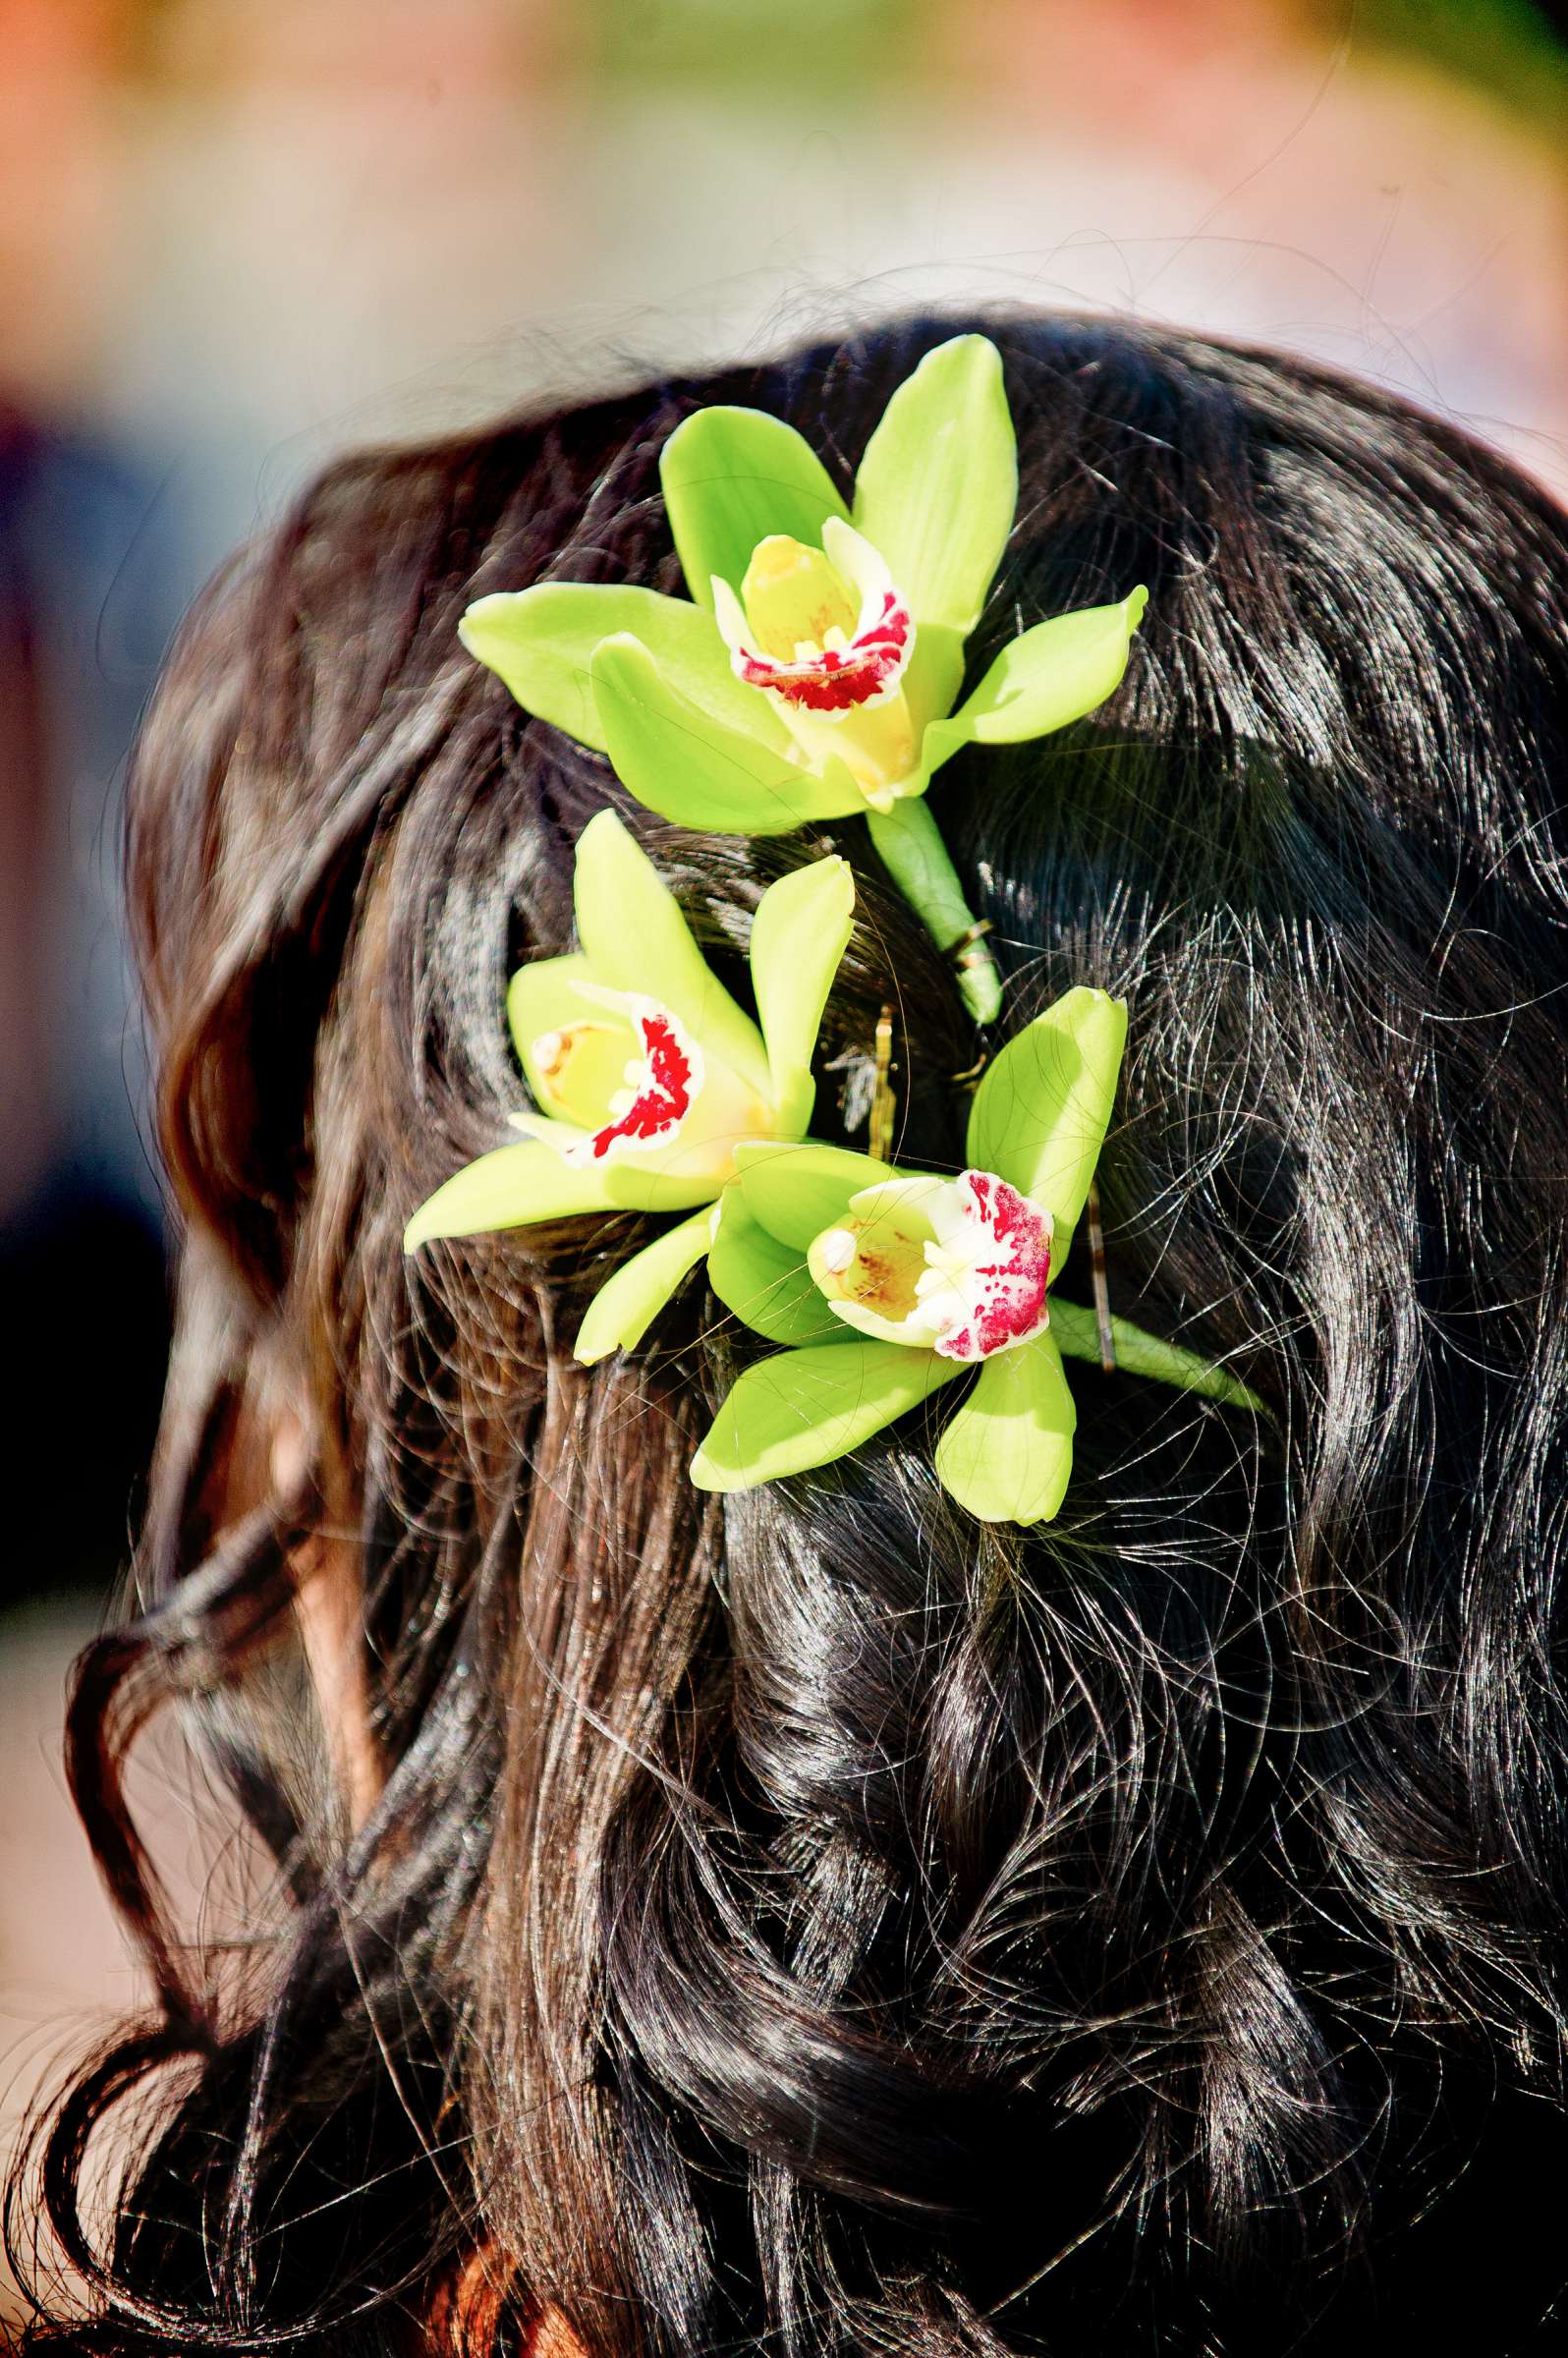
(957, 1266)
(827, 637)
(582, 1066)
(797, 606)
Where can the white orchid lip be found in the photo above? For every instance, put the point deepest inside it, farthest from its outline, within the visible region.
(960, 1266)
(658, 1091)
(822, 630)
(674, 1106)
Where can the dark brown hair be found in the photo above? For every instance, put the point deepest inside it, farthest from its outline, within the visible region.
(815, 1922)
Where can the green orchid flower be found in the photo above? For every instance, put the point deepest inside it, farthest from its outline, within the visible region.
(812, 674)
(887, 1286)
(646, 1075)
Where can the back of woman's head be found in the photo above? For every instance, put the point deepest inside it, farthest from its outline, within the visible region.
(814, 1920)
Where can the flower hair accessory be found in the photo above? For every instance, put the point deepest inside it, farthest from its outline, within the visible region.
(888, 1285)
(812, 677)
(646, 1074)
(813, 672)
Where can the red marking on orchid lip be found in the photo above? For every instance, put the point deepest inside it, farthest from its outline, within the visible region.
(1012, 1305)
(665, 1100)
(840, 678)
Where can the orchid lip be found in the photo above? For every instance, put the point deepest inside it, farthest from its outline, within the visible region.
(848, 630)
(955, 1266)
(839, 679)
(660, 1087)
(670, 1105)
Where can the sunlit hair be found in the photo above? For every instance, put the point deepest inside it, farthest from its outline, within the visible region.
(817, 1923)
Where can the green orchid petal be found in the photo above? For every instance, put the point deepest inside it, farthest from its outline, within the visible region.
(1076, 1332)
(1007, 1454)
(544, 997)
(628, 1183)
(938, 483)
(631, 1187)
(1053, 674)
(798, 936)
(542, 643)
(731, 477)
(796, 1192)
(933, 679)
(693, 769)
(622, 1310)
(636, 939)
(1042, 1112)
(515, 1187)
(765, 1284)
(801, 1409)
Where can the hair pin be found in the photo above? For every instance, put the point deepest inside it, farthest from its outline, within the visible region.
(879, 1124)
(1099, 1278)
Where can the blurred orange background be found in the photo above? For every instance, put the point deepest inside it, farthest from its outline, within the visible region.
(238, 235)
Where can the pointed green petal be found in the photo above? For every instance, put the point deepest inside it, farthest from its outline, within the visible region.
(622, 1312)
(1076, 1332)
(542, 998)
(765, 1282)
(513, 1188)
(1042, 1112)
(631, 1187)
(542, 643)
(1008, 1453)
(1053, 674)
(730, 478)
(804, 1408)
(938, 483)
(634, 938)
(934, 679)
(667, 1181)
(797, 1192)
(800, 933)
(694, 771)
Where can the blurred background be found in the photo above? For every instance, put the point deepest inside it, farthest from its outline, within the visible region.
(238, 235)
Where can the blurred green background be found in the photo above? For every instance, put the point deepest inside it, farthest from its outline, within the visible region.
(238, 235)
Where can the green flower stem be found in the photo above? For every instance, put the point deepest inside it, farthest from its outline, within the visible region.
(910, 845)
(1076, 1332)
